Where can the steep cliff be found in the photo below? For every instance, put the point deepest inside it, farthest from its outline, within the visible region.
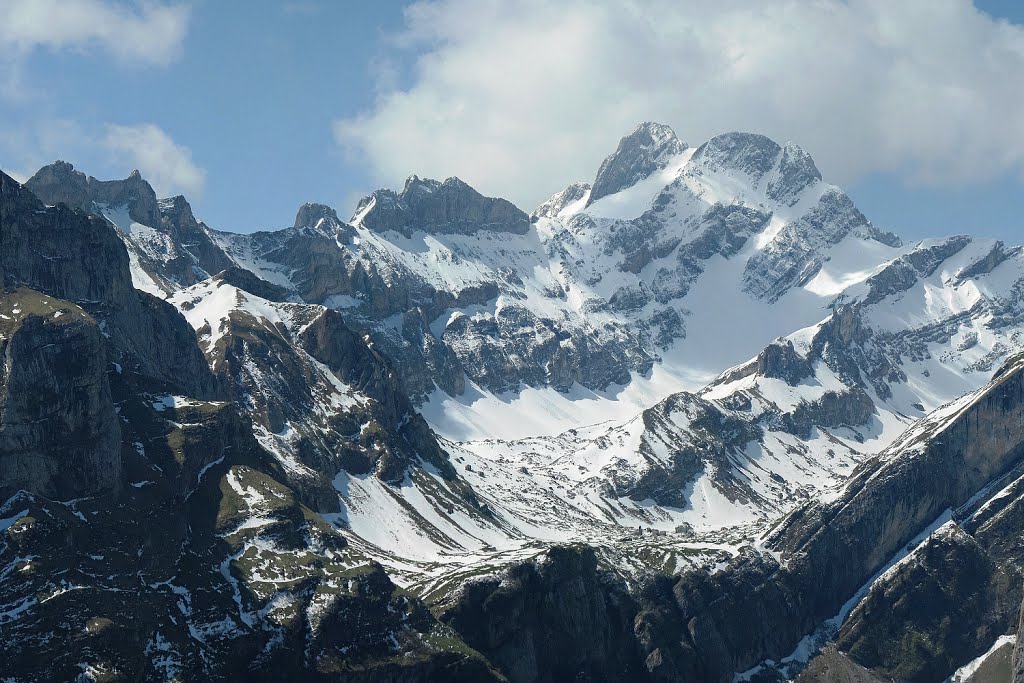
(59, 431)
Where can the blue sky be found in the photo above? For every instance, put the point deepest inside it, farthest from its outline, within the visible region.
(252, 108)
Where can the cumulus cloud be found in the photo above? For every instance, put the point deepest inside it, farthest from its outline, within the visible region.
(150, 33)
(521, 97)
(167, 165)
(110, 150)
(24, 148)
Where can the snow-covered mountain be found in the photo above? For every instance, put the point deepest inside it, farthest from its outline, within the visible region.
(624, 356)
(662, 362)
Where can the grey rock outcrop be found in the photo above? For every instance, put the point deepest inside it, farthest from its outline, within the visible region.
(401, 436)
(451, 206)
(712, 438)
(796, 173)
(311, 214)
(753, 155)
(247, 281)
(1018, 651)
(996, 256)
(516, 346)
(781, 361)
(904, 272)
(59, 182)
(200, 257)
(793, 257)
(833, 409)
(324, 219)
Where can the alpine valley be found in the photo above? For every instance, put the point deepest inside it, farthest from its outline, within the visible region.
(697, 419)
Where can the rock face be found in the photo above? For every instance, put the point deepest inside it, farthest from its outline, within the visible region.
(59, 432)
(781, 361)
(942, 608)
(436, 207)
(555, 619)
(197, 257)
(60, 251)
(322, 219)
(793, 258)
(321, 399)
(647, 149)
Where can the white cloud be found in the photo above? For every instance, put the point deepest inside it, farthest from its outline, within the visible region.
(520, 97)
(151, 33)
(108, 152)
(165, 164)
(25, 148)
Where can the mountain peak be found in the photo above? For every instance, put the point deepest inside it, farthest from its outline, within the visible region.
(310, 214)
(757, 156)
(751, 153)
(177, 210)
(433, 206)
(59, 182)
(644, 151)
(658, 132)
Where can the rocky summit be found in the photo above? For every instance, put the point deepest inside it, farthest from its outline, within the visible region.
(695, 418)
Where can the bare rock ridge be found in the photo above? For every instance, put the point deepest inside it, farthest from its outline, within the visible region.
(60, 183)
(323, 219)
(559, 202)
